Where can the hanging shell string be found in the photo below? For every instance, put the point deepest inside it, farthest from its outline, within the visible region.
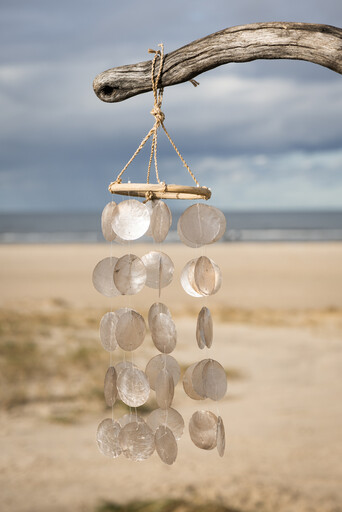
(159, 117)
(129, 302)
(111, 310)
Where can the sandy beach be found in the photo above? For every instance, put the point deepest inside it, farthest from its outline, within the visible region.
(277, 332)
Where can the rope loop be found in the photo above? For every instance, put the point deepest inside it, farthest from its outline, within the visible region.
(159, 119)
(149, 196)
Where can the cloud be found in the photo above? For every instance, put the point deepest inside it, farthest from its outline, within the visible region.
(63, 146)
(298, 180)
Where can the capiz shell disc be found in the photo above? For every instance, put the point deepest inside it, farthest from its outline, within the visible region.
(137, 441)
(156, 308)
(129, 274)
(163, 331)
(129, 418)
(131, 219)
(183, 239)
(169, 417)
(107, 331)
(187, 279)
(107, 438)
(133, 386)
(166, 445)
(103, 277)
(199, 225)
(204, 275)
(159, 269)
(150, 205)
(207, 276)
(221, 437)
(157, 363)
(204, 328)
(130, 329)
(106, 224)
(165, 389)
(223, 224)
(122, 365)
(203, 429)
(214, 380)
(110, 390)
(161, 220)
(106, 221)
(187, 383)
(197, 378)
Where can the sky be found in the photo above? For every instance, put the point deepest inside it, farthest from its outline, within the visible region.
(262, 135)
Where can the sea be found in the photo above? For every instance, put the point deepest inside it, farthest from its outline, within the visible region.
(242, 226)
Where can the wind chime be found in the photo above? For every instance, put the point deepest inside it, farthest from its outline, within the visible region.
(199, 225)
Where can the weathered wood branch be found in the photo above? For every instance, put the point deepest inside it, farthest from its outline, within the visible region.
(320, 44)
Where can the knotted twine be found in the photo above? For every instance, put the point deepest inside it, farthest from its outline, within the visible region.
(159, 117)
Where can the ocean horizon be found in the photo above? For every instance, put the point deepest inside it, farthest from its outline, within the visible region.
(242, 226)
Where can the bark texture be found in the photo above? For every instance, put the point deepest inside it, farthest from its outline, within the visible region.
(320, 44)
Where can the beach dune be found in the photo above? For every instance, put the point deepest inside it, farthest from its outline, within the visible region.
(277, 332)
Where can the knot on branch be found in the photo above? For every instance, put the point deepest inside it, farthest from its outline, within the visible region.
(158, 115)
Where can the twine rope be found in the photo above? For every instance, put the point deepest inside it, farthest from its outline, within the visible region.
(159, 117)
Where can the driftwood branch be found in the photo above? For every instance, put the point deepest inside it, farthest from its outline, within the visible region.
(321, 44)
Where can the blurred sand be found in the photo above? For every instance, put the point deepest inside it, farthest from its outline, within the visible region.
(278, 328)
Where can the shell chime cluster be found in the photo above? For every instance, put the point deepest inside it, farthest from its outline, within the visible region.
(131, 435)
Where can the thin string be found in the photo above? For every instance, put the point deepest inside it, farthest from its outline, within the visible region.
(180, 156)
(159, 117)
(142, 144)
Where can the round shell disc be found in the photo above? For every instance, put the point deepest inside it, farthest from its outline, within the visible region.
(169, 417)
(159, 269)
(221, 437)
(187, 383)
(131, 219)
(223, 224)
(155, 309)
(130, 329)
(187, 279)
(163, 333)
(150, 205)
(183, 239)
(129, 274)
(166, 444)
(137, 441)
(199, 225)
(107, 331)
(157, 363)
(103, 277)
(107, 438)
(106, 221)
(106, 224)
(207, 276)
(129, 418)
(161, 220)
(214, 380)
(110, 390)
(204, 328)
(122, 365)
(203, 429)
(204, 275)
(197, 378)
(133, 386)
(165, 389)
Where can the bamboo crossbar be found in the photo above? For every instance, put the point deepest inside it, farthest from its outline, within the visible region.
(159, 191)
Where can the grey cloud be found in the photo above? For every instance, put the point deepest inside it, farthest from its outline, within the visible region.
(286, 180)
(56, 135)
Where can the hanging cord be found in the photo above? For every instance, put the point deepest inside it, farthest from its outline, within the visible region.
(159, 117)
